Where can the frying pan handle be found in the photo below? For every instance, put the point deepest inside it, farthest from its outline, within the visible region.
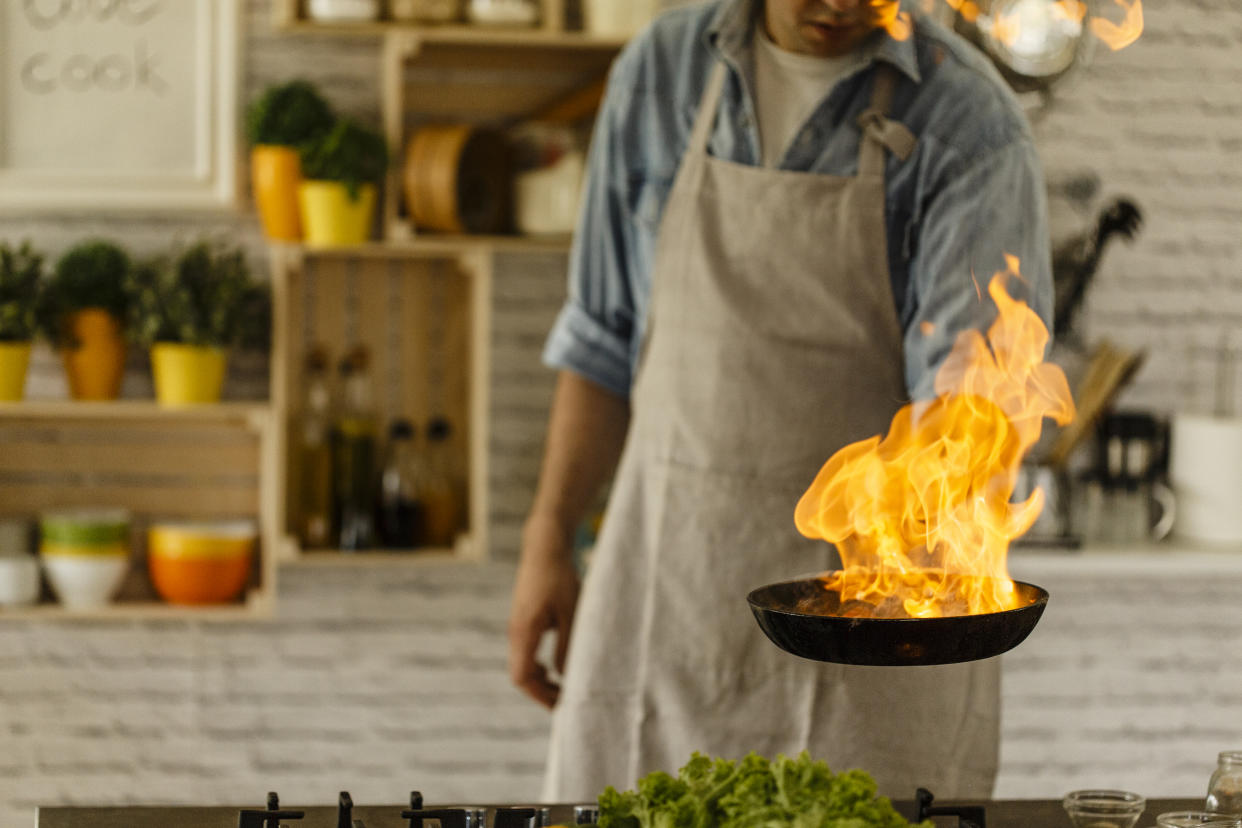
(968, 816)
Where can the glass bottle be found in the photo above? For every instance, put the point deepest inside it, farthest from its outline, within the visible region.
(441, 502)
(353, 454)
(1224, 794)
(401, 480)
(315, 455)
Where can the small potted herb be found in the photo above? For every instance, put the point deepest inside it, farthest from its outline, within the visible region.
(82, 311)
(190, 309)
(278, 122)
(341, 171)
(20, 272)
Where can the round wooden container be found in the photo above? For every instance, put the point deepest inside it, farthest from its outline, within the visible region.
(457, 179)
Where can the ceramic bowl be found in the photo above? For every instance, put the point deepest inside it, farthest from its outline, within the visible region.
(200, 563)
(83, 582)
(85, 554)
(19, 580)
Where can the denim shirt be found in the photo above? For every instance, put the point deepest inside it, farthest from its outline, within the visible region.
(971, 191)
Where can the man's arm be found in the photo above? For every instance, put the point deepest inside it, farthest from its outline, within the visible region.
(586, 431)
(987, 207)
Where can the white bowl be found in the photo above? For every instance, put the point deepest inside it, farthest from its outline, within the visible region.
(19, 580)
(85, 581)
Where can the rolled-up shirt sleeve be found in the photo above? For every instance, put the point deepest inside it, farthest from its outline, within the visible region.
(988, 207)
(593, 333)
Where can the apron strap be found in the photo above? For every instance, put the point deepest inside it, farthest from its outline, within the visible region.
(706, 117)
(879, 133)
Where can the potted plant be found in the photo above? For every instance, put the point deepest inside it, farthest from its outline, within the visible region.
(81, 311)
(337, 196)
(20, 271)
(189, 309)
(279, 121)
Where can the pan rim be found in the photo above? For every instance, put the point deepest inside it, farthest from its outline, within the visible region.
(1041, 599)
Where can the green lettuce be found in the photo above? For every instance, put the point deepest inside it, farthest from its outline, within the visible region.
(751, 793)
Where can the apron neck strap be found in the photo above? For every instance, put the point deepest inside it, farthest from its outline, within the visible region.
(879, 133)
(706, 116)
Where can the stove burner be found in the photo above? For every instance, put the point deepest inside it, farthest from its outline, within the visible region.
(968, 816)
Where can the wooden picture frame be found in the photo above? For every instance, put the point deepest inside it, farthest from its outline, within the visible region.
(125, 104)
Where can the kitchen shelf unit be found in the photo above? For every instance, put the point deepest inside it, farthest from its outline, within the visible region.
(495, 77)
(208, 462)
(423, 311)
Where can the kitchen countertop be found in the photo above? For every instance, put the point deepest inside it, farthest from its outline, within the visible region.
(1162, 559)
(1012, 813)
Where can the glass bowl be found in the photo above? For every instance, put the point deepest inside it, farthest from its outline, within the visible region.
(1197, 819)
(1103, 808)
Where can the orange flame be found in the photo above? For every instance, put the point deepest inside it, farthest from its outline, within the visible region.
(922, 517)
(899, 27)
(967, 9)
(1120, 35)
(1116, 36)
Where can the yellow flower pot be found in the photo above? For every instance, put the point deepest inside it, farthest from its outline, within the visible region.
(95, 359)
(14, 359)
(330, 218)
(187, 374)
(275, 173)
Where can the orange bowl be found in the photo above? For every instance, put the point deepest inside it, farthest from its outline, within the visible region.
(200, 563)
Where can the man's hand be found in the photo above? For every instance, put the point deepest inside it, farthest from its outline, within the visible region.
(544, 597)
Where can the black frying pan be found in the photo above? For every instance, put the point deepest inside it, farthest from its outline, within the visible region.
(889, 641)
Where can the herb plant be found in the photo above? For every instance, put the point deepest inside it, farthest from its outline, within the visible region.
(203, 296)
(91, 274)
(289, 114)
(20, 283)
(351, 154)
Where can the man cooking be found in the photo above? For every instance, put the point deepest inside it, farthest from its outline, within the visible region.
(788, 206)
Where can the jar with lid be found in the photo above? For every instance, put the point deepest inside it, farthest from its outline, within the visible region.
(1224, 794)
(503, 12)
(314, 454)
(442, 502)
(424, 11)
(401, 483)
(353, 455)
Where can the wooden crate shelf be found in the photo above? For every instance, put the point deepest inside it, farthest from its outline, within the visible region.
(423, 311)
(211, 462)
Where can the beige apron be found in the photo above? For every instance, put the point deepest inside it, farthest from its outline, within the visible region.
(773, 342)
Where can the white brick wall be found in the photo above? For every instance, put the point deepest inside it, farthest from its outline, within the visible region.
(379, 681)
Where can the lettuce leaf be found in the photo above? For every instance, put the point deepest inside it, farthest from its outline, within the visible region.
(751, 793)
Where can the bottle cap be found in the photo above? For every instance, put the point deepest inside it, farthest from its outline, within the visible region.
(439, 428)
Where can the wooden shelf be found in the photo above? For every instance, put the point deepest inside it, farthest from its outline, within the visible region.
(464, 35)
(124, 410)
(431, 246)
(258, 605)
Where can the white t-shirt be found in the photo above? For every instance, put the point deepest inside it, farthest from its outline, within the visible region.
(788, 88)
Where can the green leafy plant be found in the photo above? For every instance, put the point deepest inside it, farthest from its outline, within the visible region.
(289, 114)
(91, 274)
(203, 295)
(21, 270)
(350, 153)
(751, 793)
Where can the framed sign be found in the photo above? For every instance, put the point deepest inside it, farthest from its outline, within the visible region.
(118, 104)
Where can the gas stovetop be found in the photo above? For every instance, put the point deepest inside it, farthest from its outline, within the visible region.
(344, 815)
(413, 815)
